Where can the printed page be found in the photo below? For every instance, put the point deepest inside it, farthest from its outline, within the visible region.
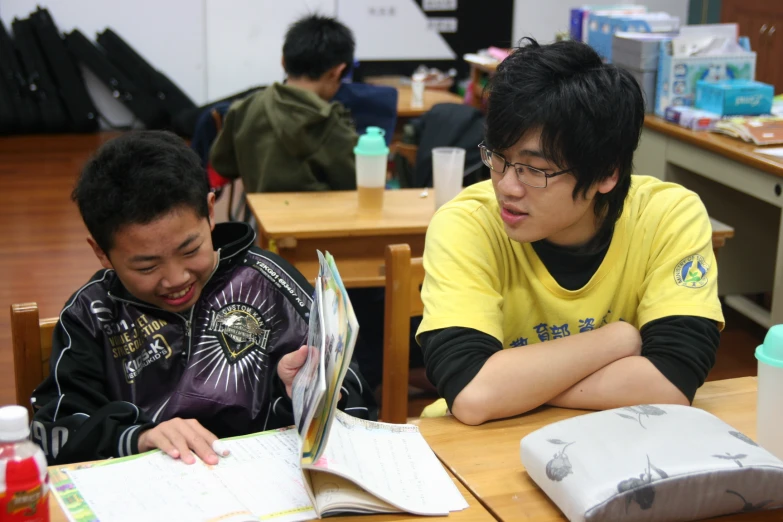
(260, 479)
(263, 473)
(336, 495)
(391, 461)
(155, 488)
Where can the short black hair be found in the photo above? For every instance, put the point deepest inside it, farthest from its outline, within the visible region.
(590, 114)
(315, 44)
(137, 178)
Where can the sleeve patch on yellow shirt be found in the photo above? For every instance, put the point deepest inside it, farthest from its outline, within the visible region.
(691, 272)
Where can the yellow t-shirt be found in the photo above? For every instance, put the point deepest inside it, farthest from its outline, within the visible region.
(660, 263)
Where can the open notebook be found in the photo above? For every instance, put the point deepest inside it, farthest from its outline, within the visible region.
(328, 463)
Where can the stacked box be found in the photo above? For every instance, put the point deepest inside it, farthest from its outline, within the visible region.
(638, 53)
(678, 76)
(735, 97)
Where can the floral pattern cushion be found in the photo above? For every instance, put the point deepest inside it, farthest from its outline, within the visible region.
(651, 463)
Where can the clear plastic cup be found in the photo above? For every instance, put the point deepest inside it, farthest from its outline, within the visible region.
(448, 169)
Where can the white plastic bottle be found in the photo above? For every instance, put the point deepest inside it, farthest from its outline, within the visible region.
(769, 423)
(24, 479)
(372, 157)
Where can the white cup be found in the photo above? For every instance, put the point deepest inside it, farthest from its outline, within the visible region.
(417, 91)
(448, 168)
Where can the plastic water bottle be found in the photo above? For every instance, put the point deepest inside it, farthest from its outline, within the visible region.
(372, 157)
(24, 479)
(769, 422)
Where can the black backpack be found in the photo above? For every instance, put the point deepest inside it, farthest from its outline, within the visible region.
(82, 114)
(170, 98)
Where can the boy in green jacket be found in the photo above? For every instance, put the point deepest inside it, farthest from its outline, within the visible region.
(289, 137)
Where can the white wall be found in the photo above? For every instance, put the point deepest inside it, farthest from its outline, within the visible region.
(213, 48)
(542, 19)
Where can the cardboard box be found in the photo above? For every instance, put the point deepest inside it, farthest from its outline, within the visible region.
(690, 118)
(677, 77)
(638, 53)
(602, 28)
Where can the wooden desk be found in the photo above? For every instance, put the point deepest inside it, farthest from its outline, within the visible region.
(486, 458)
(740, 188)
(431, 97)
(726, 146)
(475, 512)
(301, 222)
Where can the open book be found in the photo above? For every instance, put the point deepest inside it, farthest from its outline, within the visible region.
(329, 463)
(760, 130)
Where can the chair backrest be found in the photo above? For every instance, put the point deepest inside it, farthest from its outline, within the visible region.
(32, 344)
(370, 105)
(404, 277)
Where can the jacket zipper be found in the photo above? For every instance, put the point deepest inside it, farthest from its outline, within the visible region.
(188, 324)
(187, 320)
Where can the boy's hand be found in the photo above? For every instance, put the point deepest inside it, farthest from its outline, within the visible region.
(289, 366)
(178, 437)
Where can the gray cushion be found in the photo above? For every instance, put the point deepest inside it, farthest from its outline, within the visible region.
(652, 463)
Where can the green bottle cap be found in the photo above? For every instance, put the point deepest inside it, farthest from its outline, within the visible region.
(372, 143)
(771, 351)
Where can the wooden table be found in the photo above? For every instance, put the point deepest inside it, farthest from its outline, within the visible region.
(431, 97)
(296, 224)
(486, 458)
(739, 187)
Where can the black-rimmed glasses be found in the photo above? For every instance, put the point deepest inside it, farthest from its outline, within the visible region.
(526, 174)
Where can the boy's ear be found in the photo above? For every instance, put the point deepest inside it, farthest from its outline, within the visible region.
(607, 185)
(100, 254)
(336, 72)
(211, 206)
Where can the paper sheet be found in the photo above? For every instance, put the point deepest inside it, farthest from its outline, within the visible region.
(393, 462)
(261, 479)
(770, 151)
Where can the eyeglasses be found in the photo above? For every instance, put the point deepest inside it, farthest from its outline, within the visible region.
(526, 174)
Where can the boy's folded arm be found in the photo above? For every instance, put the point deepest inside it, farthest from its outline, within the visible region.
(677, 354)
(514, 381)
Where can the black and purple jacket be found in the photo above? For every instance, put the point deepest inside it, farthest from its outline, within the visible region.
(119, 365)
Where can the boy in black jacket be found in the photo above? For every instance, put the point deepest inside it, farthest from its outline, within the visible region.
(189, 333)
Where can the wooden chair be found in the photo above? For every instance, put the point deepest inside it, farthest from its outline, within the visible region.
(407, 151)
(32, 343)
(404, 277)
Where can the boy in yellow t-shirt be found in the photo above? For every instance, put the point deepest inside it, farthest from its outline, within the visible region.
(566, 280)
